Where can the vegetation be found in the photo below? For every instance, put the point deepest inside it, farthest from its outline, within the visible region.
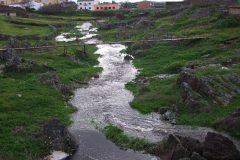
(25, 104)
(116, 135)
(169, 58)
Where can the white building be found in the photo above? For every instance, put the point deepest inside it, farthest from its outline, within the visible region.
(87, 4)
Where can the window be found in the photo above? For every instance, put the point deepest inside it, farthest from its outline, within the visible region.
(109, 7)
(101, 7)
(89, 3)
(80, 3)
(97, 7)
(80, 7)
(113, 7)
(89, 7)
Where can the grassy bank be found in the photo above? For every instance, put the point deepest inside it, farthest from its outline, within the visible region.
(25, 104)
(169, 58)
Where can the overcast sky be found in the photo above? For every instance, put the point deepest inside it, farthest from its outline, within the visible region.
(135, 0)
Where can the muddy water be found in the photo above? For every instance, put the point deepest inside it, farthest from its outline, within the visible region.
(106, 101)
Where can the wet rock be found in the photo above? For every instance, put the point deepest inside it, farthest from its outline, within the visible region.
(190, 79)
(193, 100)
(232, 122)
(61, 139)
(163, 110)
(128, 58)
(45, 65)
(181, 147)
(196, 156)
(73, 58)
(82, 53)
(169, 115)
(12, 59)
(26, 43)
(65, 90)
(218, 147)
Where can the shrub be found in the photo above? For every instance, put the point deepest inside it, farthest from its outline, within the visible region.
(226, 23)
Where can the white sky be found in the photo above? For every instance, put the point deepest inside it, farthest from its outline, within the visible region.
(135, 0)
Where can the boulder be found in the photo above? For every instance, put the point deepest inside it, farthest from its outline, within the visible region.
(196, 156)
(2, 67)
(219, 87)
(29, 62)
(52, 79)
(218, 147)
(60, 137)
(30, 68)
(45, 65)
(181, 147)
(12, 59)
(190, 79)
(193, 100)
(82, 53)
(232, 121)
(75, 58)
(26, 43)
(12, 43)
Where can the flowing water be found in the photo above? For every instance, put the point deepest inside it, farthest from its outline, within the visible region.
(106, 101)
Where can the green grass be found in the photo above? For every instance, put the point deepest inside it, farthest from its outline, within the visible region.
(16, 29)
(116, 135)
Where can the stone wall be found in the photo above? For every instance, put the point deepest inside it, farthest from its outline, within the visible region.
(27, 36)
(199, 3)
(206, 3)
(177, 5)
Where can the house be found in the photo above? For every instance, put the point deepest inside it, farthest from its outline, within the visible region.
(31, 4)
(86, 4)
(105, 6)
(11, 11)
(145, 4)
(234, 10)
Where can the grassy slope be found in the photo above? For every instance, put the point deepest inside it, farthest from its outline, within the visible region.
(167, 58)
(26, 104)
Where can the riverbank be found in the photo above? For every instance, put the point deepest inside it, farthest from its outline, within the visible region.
(26, 104)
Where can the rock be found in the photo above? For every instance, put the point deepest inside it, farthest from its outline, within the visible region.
(65, 90)
(45, 65)
(29, 62)
(163, 110)
(12, 43)
(181, 147)
(196, 156)
(175, 108)
(73, 58)
(214, 65)
(52, 79)
(142, 23)
(30, 68)
(82, 53)
(2, 67)
(190, 79)
(169, 115)
(218, 147)
(1, 72)
(12, 59)
(219, 87)
(232, 122)
(193, 100)
(26, 43)
(61, 139)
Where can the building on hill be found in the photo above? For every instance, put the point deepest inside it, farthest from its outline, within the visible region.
(234, 10)
(110, 6)
(86, 4)
(145, 4)
(11, 11)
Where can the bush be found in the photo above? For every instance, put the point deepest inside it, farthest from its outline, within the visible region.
(226, 23)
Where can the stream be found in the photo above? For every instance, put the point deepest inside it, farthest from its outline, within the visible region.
(106, 101)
